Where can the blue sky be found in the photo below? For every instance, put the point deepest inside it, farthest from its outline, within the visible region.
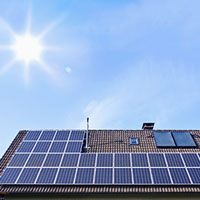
(130, 62)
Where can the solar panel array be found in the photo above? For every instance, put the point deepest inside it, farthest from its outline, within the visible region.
(54, 157)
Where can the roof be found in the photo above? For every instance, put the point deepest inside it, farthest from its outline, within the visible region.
(109, 141)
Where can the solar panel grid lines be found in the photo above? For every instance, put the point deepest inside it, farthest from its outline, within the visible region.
(122, 160)
(47, 176)
(139, 160)
(77, 168)
(179, 176)
(113, 178)
(18, 160)
(174, 160)
(62, 135)
(150, 169)
(142, 176)
(161, 176)
(194, 174)
(32, 135)
(157, 160)
(168, 168)
(191, 159)
(95, 167)
(131, 168)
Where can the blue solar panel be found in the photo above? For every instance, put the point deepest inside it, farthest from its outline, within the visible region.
(122, 176)
(163, 139)
(87, 160)
(74, 147)
(47, 135)
(160, 176)
(179, 176)
(77, 135)
(105, 160)
(157, 160)
(32, 135)
(10, 175)
(183, 139)
(19, 160)
(53, 160)
(122, 160)
(191, 160)
(174, 160)
(103, 176)
(28, 175)
(35, 160)
(194, 175)
(47, 175)
(62, 135)
(42, 147)
(26, 147)
(70, 160)
(84, 175)
(141, 176)
(58, 147)
(139, 160)
(66, 176)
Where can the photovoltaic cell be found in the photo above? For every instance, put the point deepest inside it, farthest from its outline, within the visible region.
(70, 160)
(103, 176)
(157, 160)
(77, 135)
(18, 160)
(194, 175)
(47, 175)
(141, 176)
(53, 160)
(58, 147)
(174, 160)
(105, 160)
(66, 176)
(35, 160)
(32, 135)
(42, 147)
(191, 160)
(10, 175)
(160, 176)
(179, 176)
(122, 160)
(139, 160)
(122, 176)
(62, 135)
(47, 135)
(28, 175)
(26, 147)
(87, 160)
(183, 139)
(84, 175)
(74, 147)
(163, 139)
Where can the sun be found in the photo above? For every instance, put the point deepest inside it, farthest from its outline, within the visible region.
(27, 48)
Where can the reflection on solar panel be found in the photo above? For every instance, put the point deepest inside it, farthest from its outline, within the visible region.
(32, 135)
(77, 135)
(103, 176)
(87, 160)
(47, 135)
(179, 175)
(66, 176)
(160, 176)
(10, 175)
(47, 175)
(18, 160)
(194, 174)
(74, 147)
(42, 147)
(157, 160)
(141, 176)
(122, 176)
(105, 160)
(62, 135)
(70, 160)
(191, 160)
(35, 160)
(163, 139)
(53, 160)
(174, 160)
(28, 175)
(139, 160)
(84, 176)
(122, 160)
(26, 147)
(58, 147)
(183, 139)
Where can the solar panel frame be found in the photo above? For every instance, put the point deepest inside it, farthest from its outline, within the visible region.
(122, 160)
(65, 176)
(74, 147)
(44, 177)
(62, 135)
(104, 160)
(28, 175)
(103, 176)
(179, 176)
(142, 176)
(10, 175)
(174, 160)
(77, 135)
(191, 159)
(42, 147)
(139, 160)
(57, 147)
(18, 160)
(157, 160)
(35, 160)
(184, 139)
(47, 135)
(26, 147)
(161, 176)
(87, 160)
(164, 139)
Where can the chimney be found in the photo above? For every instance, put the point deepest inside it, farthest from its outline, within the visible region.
(148, 126)
(86, 146)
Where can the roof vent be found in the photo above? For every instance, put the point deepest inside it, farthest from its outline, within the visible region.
(147, 126)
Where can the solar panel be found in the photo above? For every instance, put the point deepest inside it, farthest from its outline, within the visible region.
(53, 160)
(62, 135)
(191, 160)
(77, 135)
(139, 160)
(10, 175)
(122, 176)
(18, 160)
(42, 147)
(179, 176)
(141, 176)
(26, 147)
(183, 139)
(163, 139)
(174, 160)
(58, 147)
(74, 147)
(103, 176)
(157, 160)
(47, 176)
(66, 176)
(160, 176)
(87, 160)
(70, 160)
(28, 175)
(32, 135)
(35, 160)
(84, 176)
(122, 160)
(47, 135)
(105, 160)
(195, 175)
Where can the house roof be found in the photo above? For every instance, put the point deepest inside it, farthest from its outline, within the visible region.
(107, 141)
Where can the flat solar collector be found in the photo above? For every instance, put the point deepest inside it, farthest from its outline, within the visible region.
(183, 139)
(163, 139)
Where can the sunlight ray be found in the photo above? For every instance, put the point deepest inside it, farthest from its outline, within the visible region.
(4, 24)
(5, 47)
(8, 66)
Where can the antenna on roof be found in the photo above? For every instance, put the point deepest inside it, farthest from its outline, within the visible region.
(86, 146)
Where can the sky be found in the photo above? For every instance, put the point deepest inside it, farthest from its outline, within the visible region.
(121, 63)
